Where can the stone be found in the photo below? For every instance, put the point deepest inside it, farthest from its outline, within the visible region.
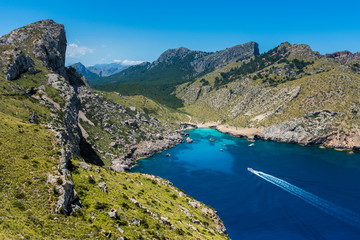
(194, 204)
(113, 214)
(102, 186)
(189, 140)
(136, 221)
(113, 144)
(84, 165)
(196, 221)
(34, 118)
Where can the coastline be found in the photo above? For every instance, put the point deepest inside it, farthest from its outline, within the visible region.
(335, 140)
(148, 148)
(144, 150)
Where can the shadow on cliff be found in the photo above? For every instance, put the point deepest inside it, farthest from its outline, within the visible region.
(89, 154)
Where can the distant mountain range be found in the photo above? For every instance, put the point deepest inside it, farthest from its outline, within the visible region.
(175, 66)
(99, 70)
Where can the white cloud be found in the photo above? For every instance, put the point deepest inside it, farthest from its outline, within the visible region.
(74, 51)
(127, 62)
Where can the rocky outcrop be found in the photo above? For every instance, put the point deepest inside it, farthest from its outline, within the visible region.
(14, 62)
(202, 61)
(186, 126)
(343, 56)
(170, 56)
(144, 149)
(314, 128)
(191, 94)
(48, 43)
(219, 59)
(44, 42)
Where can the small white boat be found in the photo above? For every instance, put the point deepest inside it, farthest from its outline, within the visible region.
(251, 145)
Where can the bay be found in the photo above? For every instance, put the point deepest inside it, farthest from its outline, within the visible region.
(216, 173)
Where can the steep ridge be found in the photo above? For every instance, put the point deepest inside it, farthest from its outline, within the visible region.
(289, 94)
(175, 66)
(57, 163)
(189, 64)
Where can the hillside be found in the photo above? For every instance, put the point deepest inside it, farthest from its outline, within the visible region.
(63, 145)
(175, 66)
(289, 94)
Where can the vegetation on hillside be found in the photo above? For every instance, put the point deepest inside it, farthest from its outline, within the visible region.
(262, 91)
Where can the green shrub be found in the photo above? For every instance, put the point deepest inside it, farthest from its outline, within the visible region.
(100, 205)
(59, 181)
(19, 205)
(91, 180)
(20, 195)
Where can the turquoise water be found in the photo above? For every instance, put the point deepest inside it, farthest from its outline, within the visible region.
(302, 192)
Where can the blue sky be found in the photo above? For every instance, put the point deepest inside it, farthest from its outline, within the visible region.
(105, 31)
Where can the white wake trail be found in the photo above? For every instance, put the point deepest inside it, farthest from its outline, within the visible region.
(332, 209)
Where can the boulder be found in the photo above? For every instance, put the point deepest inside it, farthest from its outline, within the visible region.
(113, 214)
(113, 144)
(189, 140)
(34, 118)
(102, 186)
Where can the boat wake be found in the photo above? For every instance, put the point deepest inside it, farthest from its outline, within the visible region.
(332, 209)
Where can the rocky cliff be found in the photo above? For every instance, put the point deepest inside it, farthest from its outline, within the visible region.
(203, 61)
(61, 141)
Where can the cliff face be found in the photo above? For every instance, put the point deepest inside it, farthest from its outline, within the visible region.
(45, 40)
(221, 58)
(61, 140)
(199, 62)
(43, 44)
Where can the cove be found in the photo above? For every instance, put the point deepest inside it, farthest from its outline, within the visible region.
(253, 208)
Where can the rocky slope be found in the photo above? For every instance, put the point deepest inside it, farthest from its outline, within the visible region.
(52, 124)
(289, 94)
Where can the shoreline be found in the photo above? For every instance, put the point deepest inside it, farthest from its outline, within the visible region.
(144, 150)
(149, 148)
(331, 141)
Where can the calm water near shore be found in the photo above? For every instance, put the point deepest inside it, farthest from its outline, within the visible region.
(256, 208)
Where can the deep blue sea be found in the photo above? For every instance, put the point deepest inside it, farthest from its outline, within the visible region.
(326, 204)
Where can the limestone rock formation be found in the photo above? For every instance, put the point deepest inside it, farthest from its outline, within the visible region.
(48, 43)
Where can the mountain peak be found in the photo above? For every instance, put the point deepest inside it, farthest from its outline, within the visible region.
(302, 51)
(220, 58)
(168, 56)
(44, 39)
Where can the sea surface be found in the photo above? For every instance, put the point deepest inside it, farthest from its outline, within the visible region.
(304, 192)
